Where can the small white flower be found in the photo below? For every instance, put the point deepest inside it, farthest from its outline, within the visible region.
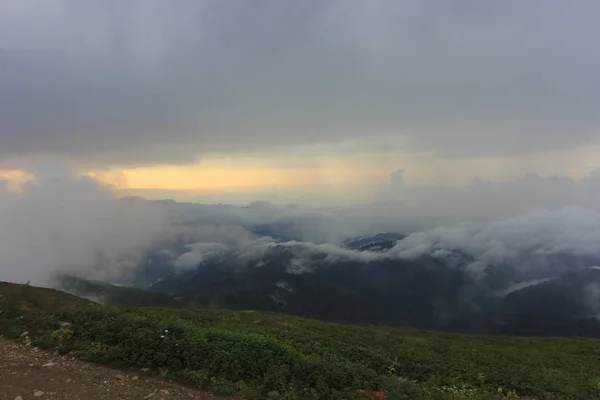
(162, 336)
(166, 331)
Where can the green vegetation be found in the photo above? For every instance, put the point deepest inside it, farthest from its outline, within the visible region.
(266, 355)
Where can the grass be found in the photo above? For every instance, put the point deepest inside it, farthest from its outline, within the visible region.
(267, 355)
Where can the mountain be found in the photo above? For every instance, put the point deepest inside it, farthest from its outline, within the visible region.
(421, 293)
(110, 294)
(377, 242)
(567, 305)
(367, 280)
(355, 283)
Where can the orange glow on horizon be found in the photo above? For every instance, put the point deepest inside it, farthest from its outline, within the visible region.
(15, 178)
(232, 179)
(212, 180)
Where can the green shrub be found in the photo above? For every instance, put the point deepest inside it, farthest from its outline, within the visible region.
(265, 355)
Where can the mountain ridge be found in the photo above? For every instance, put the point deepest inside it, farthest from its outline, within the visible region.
(363, 281)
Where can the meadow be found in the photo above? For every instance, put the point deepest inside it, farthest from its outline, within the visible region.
(267, 355)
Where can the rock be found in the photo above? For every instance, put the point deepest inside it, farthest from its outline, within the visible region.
(24, 334)
(164, 391)
(65, 324)
(135, 378)
(38, 393)
(18, 398)
(151, 395)
(121, 377)
(50, 364)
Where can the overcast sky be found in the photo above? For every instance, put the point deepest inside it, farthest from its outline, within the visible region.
(138, 83)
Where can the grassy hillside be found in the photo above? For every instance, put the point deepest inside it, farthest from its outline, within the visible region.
(107, 293)
(265, 355)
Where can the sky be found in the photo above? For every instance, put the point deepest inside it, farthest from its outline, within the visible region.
(314, 101)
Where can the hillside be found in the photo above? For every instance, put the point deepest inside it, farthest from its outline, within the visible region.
(366, 282)
(567, 305)
(107, 293)
(564, 306)
(381, 279)
(265, 354)
(306, 280)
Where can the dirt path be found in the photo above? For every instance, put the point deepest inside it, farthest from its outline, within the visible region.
(30, 373)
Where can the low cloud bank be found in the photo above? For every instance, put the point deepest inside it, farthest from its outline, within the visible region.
(536, 245)
(61, 221)
(64, 222)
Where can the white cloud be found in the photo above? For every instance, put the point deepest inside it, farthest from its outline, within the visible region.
(197, 253)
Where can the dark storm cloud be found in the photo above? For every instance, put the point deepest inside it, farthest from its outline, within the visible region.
(156, 81)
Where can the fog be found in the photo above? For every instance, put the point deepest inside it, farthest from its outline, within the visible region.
(65, 222)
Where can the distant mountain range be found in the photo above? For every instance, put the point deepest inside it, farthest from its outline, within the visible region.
(362, 282)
